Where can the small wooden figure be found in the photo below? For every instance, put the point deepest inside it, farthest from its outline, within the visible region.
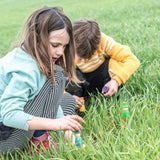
(105, 89)
(82, 109)
(78, 139)
(126, 113)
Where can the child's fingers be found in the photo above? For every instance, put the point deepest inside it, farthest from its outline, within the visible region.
(79, 105)
(79, 101)
(76, 127)
(73, 128)
(105, 89)
(108, 94)
(111, 92)
(78, 118)
(73, 124)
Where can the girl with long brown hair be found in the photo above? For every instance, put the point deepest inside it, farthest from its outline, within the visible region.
(32, 78)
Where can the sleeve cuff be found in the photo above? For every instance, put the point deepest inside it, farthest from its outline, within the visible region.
(117, 79)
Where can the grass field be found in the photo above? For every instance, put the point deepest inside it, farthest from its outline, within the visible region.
(135, 23)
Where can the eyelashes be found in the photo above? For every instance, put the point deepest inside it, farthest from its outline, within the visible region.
(57, 45)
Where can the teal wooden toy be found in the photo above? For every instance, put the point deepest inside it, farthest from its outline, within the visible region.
(78, 139)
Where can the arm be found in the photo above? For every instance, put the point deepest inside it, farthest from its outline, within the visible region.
(13, 101)
(21, 88)
(64, 123)
(123, 62)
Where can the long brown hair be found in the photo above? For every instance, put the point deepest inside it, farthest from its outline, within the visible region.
(36, 40)
(87, 36)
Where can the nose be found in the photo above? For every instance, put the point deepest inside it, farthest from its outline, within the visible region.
(59, 51)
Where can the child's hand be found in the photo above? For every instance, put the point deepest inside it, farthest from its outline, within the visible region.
(113, 88)
(69, 123)
(79, 101)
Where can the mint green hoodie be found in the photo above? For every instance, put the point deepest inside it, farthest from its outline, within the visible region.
(20, 81)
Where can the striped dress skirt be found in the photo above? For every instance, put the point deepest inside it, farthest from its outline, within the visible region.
(45, 104)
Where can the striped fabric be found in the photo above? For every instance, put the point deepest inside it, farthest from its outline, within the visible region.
(45, 104)
(123, 63)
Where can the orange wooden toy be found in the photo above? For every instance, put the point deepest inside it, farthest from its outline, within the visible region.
(82, 109)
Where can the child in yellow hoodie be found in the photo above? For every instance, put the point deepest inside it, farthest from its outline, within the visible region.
(100, 61)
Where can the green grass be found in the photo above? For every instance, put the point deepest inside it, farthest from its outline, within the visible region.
(132, 22)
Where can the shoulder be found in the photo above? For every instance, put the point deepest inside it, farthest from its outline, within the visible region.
(21, 64)
(18, 60)
(107, 42)
(105, 38)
